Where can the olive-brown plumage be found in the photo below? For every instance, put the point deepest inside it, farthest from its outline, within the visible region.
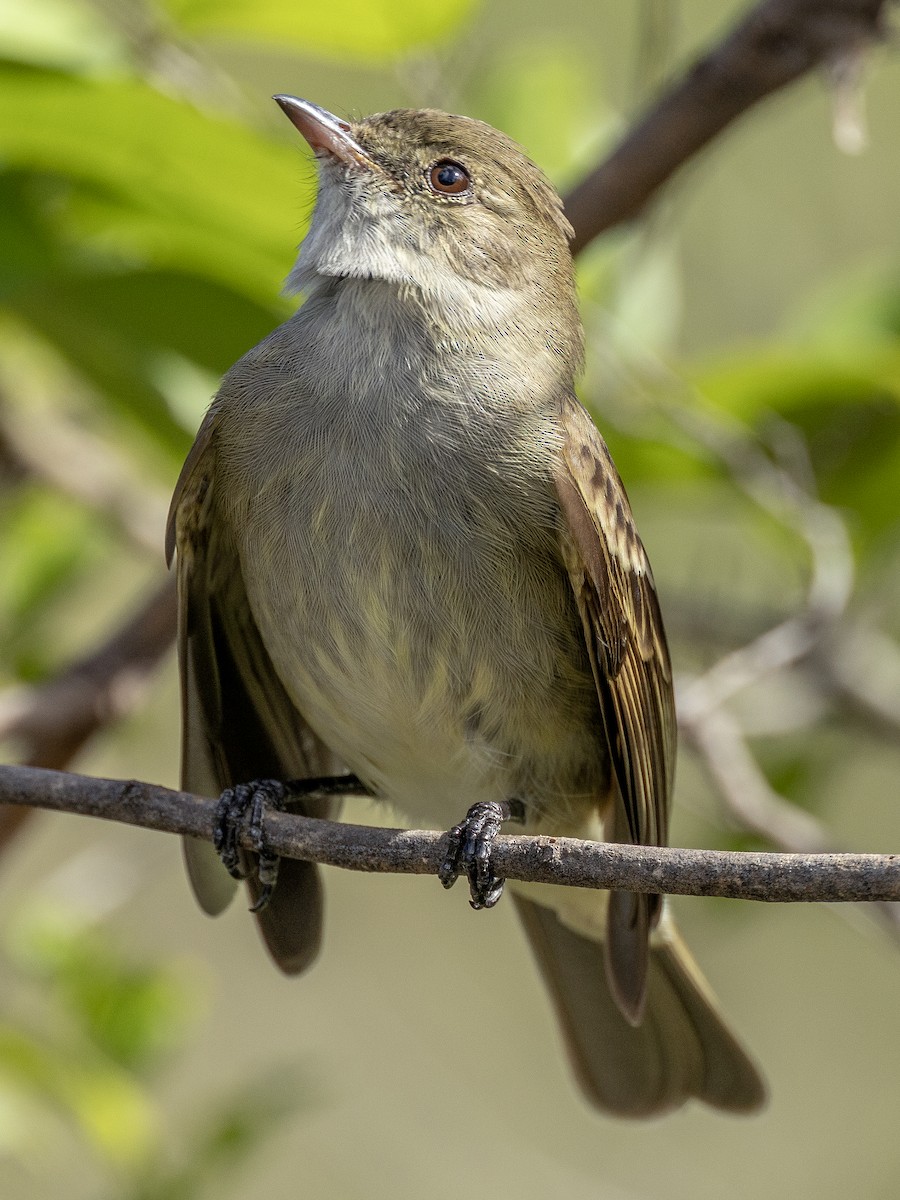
(404, 550)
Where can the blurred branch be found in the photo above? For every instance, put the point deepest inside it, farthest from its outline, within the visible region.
(714, 733)
(172, 62)
(747, 876)
(717, 737)
(52, 722)
(777, 490)
(82, 466)
(862, 668)
(781, 488)
(776, 43)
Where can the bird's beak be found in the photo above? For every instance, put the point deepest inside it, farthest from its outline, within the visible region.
(326, 133)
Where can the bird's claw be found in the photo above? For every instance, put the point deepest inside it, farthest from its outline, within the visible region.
(469, 850)
(241, 810)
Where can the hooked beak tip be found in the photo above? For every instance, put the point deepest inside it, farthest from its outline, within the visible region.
(324, 132)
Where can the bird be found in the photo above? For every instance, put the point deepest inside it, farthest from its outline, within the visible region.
(407, 564)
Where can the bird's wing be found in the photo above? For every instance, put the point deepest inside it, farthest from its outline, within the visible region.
(238, 722)
(623, 630)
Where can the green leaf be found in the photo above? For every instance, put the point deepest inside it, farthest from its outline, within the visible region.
(846, 404)
(785, 380)
(198, 318)
(369, 30)
(192, 190)
(226, 1138)
(46, 542)
(129, 1011)
(856, 308)
(121, 330)
(58, 33)
(29, 249)
(112, 1112)
(545, 95)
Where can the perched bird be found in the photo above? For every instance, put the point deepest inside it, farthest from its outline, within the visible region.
(403, 551)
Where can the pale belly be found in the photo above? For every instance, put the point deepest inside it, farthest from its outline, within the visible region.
(441, 658)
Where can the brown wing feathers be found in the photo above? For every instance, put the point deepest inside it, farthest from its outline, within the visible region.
(239, 723)
(626, 643)
(617, 599)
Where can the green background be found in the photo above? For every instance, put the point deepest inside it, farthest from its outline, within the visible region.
(151, 200)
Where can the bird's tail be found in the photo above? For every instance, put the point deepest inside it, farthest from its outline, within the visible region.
(681, 1048)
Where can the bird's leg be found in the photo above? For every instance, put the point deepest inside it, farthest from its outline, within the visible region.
(328, 785)
(242, 809)
(469, 850)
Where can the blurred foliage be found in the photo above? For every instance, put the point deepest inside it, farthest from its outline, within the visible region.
(85, 1043)
(366, 29)
(149, 208)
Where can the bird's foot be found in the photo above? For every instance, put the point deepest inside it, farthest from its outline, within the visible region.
(469, 850)
(241, 812)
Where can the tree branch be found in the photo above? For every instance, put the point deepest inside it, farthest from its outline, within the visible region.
(81, 465)
(775, 44)
(744, 876)
(52, 722)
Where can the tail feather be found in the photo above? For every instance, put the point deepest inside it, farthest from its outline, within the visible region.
(681, 1048)
(626, 951)
(213, 887)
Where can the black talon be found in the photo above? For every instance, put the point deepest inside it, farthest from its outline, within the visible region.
(469, 849)
(243, 807)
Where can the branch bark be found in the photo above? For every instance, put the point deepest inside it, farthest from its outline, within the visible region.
(776, 43)
(738, 875)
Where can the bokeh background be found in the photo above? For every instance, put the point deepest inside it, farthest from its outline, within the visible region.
(745, 366)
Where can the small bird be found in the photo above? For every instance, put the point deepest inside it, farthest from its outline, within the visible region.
(406, 563)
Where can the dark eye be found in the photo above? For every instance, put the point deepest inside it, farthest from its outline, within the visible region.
(449, 178)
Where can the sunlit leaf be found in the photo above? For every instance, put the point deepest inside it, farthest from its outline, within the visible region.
(363, 29)
(848, 408)
(545, 94)
(114, 328)
(46, 540)
(784, 380)
(59, 34)
(201, 190)
(112, 1112)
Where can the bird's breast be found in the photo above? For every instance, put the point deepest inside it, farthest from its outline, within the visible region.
(401, 559)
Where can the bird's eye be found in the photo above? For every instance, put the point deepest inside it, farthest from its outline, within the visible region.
(449, 178)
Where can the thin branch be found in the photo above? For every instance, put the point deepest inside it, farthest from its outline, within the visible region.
(52, 722)
(703, 718)
(746, 876)
(776, 490)
(81, 465)
(776, 43)
(862, 668)
(751, 800)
